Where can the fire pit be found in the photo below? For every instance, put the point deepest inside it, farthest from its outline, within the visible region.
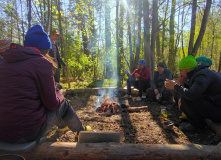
(108, 106)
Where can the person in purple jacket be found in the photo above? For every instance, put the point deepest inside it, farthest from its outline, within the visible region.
(29, 102)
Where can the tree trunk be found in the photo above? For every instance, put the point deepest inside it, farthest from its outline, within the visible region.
(121, 40)
(117, 44)
(129, 37)
(203, 27)
(62, 42)
(171, 59)
(182, 29)
(192, 30)
(153, 35)
(108, 60)
(147, 53)
(160, 57)
(49, 16)
(164, 27)
(29, 13)
(17, 21)
(138, 45)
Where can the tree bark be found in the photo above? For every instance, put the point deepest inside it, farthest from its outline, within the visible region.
(121, 42)
(49, 17)
(117, 44)
(171, 59)
(138, 44)
(129, 36)
(62, 42)
(116, 151)
(29, 13)
(160, 57)
(153, 35)
(203, 28)
(107, 60)
(147, 53)
(164, 27)
(193, 24)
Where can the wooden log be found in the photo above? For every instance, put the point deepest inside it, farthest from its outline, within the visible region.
(133, 91)
(136, 109)
(118, 151)
(98, 137)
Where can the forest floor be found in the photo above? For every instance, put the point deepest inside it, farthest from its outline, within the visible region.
(144, 127)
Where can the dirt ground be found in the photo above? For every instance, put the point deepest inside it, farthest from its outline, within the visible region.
(144, 127)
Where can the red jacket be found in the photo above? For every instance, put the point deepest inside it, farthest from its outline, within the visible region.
(27, 89)
(145, 73)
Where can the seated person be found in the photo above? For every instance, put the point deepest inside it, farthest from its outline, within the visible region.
(4, 45)
(204, 60)
(29, 102)
(202, 100)
(158, 90)
(140, 79)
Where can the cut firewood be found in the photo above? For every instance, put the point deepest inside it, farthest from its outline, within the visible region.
(136, 109)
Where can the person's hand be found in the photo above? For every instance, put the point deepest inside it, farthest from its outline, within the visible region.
(169, 84)
(180, 81)
(156, 92)
(179, 103)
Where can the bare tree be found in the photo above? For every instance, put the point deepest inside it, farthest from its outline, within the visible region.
(193, 24)
(171, 59)
(203, 28)
(147, 53)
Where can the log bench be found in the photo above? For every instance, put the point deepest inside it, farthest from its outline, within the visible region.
(119, 151)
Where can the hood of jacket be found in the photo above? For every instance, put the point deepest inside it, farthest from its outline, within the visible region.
(18, 53)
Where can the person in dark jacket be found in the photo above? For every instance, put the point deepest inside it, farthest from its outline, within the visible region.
(158, 91)
(202, 100)
(54, 53)
(29, 102)
(140, 79)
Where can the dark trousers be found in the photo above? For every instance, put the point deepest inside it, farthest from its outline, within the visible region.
(141, 85)
(57, 75)
(199, 110)
(63, 116)
(166, 95)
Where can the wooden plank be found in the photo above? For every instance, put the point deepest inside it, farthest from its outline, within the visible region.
(119, 151)
(98, 137)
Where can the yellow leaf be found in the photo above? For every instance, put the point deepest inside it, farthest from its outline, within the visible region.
(79, 21)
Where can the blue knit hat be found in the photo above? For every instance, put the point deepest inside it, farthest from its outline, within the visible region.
(37, 37)
(142, 62)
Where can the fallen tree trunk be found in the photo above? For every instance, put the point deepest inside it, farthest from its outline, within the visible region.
(115, 151)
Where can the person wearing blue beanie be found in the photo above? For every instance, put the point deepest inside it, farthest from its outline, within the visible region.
(140, 79)
(37, 37)
(142, 62)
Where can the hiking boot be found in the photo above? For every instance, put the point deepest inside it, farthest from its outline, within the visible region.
(187, 127)
(138, 98)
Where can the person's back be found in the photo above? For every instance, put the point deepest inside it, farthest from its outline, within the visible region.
(20, 103)
(210, 83)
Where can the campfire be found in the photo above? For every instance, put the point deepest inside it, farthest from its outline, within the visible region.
(108, 106)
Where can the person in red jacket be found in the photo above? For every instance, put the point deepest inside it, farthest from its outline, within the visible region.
(140, 79)
(29, 101)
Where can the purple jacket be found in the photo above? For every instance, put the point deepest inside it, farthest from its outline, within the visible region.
(27, 89)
